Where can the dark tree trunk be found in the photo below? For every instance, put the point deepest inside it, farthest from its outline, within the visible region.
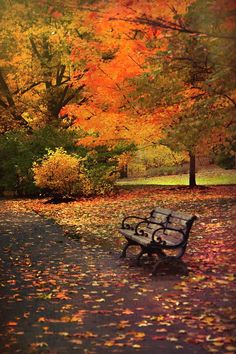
(192, 170)
(124, 172)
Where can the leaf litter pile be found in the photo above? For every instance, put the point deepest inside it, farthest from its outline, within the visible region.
(63, 294)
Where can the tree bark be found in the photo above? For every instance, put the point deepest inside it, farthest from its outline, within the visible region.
(124, 171)
(192, 170)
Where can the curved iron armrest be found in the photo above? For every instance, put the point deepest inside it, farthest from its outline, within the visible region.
(163, 244)
(125, 225)
(147, 221)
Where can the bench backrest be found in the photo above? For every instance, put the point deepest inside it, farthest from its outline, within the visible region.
(158, 215)
(173, 219)
(181, 221)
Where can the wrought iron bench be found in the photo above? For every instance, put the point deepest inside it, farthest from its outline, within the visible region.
(164, 232)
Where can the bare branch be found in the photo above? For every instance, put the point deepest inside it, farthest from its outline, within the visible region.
(3, 104)
(22, 91)
(60, 73)
(172, 26)
(135, 62)
(230, 99)
(35, 49)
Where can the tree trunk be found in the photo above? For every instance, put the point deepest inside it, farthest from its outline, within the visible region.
(124, 171)
(192, 170)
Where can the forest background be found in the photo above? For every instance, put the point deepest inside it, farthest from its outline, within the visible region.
(93, 90)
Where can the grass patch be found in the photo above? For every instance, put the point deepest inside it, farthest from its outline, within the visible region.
(204, 177)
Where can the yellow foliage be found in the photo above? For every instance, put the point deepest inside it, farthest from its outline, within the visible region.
(59, 172)
(124, 159)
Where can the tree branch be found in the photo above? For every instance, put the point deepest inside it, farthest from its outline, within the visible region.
(60, 74)
(5, 89)
(230, 99)
(35, 50)
(3, 104)
(172, 26)
(28, 88)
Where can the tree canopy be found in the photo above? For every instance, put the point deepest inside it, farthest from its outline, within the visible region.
(120, 72)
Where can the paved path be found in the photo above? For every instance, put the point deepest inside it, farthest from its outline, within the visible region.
(60, 295)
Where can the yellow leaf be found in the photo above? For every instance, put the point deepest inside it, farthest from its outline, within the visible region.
(109, 343)
(230, 348)
(127, 312)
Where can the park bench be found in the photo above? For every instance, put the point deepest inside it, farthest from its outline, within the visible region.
(164, 233)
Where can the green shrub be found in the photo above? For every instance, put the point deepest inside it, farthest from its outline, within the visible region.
(101, 170)
(18, 151)
(225, 159)
(16, 160)
(224, 155)
(100, 180)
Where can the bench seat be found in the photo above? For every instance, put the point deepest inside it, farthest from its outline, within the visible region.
(146, 240)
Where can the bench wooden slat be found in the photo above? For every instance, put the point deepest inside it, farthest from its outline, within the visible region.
(183, 216)
(153, 226)
(162, 211)
(139, 239)
(176, 222)
(170, 237)
(159, 215)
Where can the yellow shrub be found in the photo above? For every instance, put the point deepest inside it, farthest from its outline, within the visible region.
(60, 173)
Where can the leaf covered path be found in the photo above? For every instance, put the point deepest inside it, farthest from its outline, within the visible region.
(60, 295)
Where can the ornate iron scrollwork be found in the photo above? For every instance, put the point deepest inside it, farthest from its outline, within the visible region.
(159, 241)
(139, 231)
(129, 226)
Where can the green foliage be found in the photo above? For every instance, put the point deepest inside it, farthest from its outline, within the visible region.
(50, 137)
(193, 126)
(224, 155)
(226, 161)
(100, 181)
(16, 160)
(102, 169)
(194, 76)
(18, 151)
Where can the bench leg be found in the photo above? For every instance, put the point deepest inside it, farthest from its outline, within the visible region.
(161, 254)
(142, 252)
(181, 252)
(162, 258)
(123, 254)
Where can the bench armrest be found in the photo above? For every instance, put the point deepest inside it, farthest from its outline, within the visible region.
(141, 232)
(126, 225)
(161, 242)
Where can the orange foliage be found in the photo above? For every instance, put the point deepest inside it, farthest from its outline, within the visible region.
(116, 53)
